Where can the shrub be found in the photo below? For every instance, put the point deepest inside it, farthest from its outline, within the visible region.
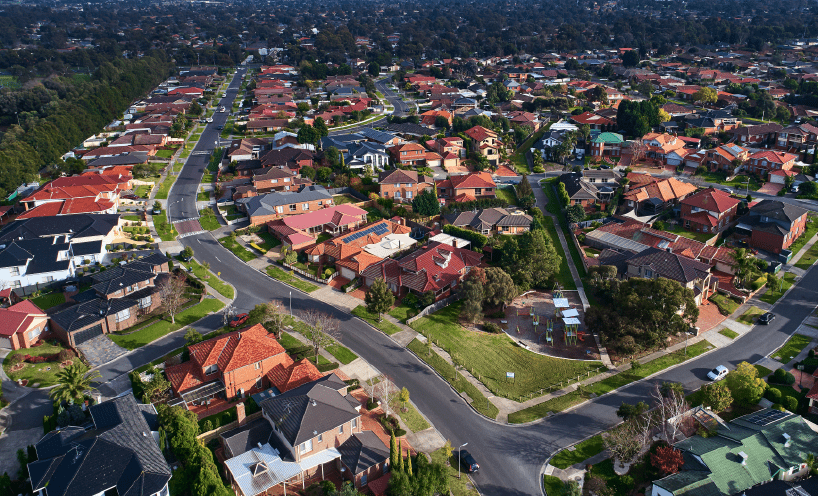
(790, 403)
(64, 355)
(492, 328)
(773, 395)
(371, 404)
(207, 426)
(781, 376)
(15, 359)
(659, 225)
(778, 406)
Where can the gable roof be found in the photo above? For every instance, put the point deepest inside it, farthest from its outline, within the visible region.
(664, 189)
(403, 176)
(362, 451)
(76, 225)
(18, 317)
(711, 199)
(122, 276)
(236, 349)
(671, 265)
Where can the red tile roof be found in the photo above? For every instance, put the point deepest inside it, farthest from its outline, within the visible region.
(774, 156)
(236, 349)
(711, 199)
(290, 375)
(17, 318)
(479, 133)
(473, 180)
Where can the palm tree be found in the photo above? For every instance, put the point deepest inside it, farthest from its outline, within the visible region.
(742, 264)
(73, 382)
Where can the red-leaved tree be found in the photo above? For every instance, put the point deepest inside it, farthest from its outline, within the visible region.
(667, 459)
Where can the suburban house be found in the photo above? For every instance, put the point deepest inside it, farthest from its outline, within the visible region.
(466, 187)
(304, 434)
(434, 267)
(767, 161)
(234, 365)
(554, 137)
(773, 225)
(590, 187)
(761, 134)
(247, 149)
(607, 143)
(410, 153)
(797, 138)
(354, 251)
(21, 325)
(710, 210)
(118, 296)
(292, 158)
(725, 157)
(657, 194)
(300, 231)
(403, 185)
(593, 120)
(491, 221)
(690, 273)
(661, 145)
(367, 153)
(755, 449)
(93, 194)
(271, 179)
(118, 454)
(713, 121)
(264, 208)
(812, 395)
(485, 142)
(384, 138)
(43, 250)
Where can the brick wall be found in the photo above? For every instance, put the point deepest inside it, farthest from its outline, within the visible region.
(329, 439)
(388, 190)
(245, 377)
(299, 209)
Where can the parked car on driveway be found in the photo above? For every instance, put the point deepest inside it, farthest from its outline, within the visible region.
(239, 320)
(467, 462)
(718, 373)
(766, 318)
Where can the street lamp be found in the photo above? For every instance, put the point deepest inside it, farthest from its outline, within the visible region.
(291, 303)
(458, 458)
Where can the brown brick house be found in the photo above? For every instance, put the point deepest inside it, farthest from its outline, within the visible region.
(757, 135)
(692, 274)
(773, 225)
(491, 221)
(275, 179)
(403, 185)
(21, 325)
(264, 208)
(408, 154)
(485, 142)
(710, 211)
(117, 298)
(724, 157)
(466, 187)
(292, 158)
(766, 161)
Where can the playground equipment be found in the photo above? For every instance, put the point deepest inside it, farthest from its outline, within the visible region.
(571, 328)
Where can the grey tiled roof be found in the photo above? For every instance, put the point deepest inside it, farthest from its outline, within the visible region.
(78, 226)
(265, 204)
(671, 265)
(363, 450)
(487, 218)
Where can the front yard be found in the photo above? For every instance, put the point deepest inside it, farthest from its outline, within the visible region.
(726, 304)
(288, 278)
(164, 188)
(791, 348)
(44, 373)
(771, 296)
(243, 253)
(162, 328)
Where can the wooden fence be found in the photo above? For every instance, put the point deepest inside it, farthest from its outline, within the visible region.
(434, 307)
(310, 276)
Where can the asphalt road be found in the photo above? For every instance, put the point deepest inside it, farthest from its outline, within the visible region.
(510, 457)
(401, 108)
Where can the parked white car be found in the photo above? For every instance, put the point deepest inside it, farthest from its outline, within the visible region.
(718, 373)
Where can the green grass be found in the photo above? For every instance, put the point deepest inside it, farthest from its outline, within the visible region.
(808, 258)
(771, 296)
(478, 401)
(287, 278)
(791, 348)
(323, 237)
(518, 158)
(413, 420)
(763, 371)
(582, 451)
(243, 253)
(810, 230)
(208, 178)
(553, 486)
(142, 191)
(165, 153)
(194, 137)
(270, 241)
(384, 325)
(164, 188)
(186, 152)
(749, 316)
(212, 280)
(738, 184)
(616, 484)
(131, 218)
(607, 385)
(554, 207)
(402, 312)
(49, 300)
(676, 229)
(458, 487)
(341, 353)
(35, 372)
(506, 193)
(209, 222)
(341, 199)
(164, 327)
(166, 231)
(489, 356)
(203, 196)
(564, 275)
(727, 305)
(728, 333)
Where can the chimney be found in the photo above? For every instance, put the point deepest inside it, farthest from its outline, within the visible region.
(240, 413)
(454, 242)
(744, 457)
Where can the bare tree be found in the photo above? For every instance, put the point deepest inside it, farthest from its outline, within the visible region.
(370, 386)
(671, 408)
(172, 292)
(323, 329)
(388, 393)
(274, 316)
(638, 149)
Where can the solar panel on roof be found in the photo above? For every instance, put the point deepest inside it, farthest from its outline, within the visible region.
(376, 229)
(768, 417)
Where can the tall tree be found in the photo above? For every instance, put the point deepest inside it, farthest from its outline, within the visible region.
(379, 299)
(426, 203)
(717, 396)
(323, 330)
(745, 385)
(499, 288)
(471, 291)
(172, 293)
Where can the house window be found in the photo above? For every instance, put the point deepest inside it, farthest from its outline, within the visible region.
(49, 278)
(258, 383)
(320, 438)
(257, 365)
(408, 195)
(131, 289)
(354, 423)
(32, 334)
(397, 194)
(648, 273)
(305, 206)
(341, 429)
(145, 302)
(286, 179)
(293, 207)
(280, 210)
(16, 284)
(15, 271)
(363, 478)
(123, 315)
(306, 447)
(211, 369)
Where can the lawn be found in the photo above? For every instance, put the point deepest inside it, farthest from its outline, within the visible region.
(287, 278)
(49, 300)
(552, 485)
(808, 258)
(726, 304)
(738, 184)
(809, 232)
(341, 353)
(270, 241)
(402, 312)
(194, 137)
(763, 371)
(36, 373)
(582, 451)
(749, 317)
(490, 356)
(211, 280)
(203, 195)
(518, 158)
(677, 229)
(771, 296)
(322, 237)
(458, 487)
(507, 194)
(564, 276)
(185, 153)
(165, 153)
(387, 327)
(554, 207)
(728, 333)
(209, 222)
(341, 199)
(607, 385)
(456, 379)
(791, 348)
(166, 231)
(243, 253)
(164, 188)
(207, 178)
(143, 191)
(164, 327)
(132, 218)
(413, 420)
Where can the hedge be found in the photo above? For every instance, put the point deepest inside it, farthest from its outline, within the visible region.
(477, 240)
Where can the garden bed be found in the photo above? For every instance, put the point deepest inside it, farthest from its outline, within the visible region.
(43, 374)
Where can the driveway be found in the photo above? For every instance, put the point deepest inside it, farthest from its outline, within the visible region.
(101, 350)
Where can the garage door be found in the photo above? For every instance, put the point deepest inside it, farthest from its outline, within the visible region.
(5, 343)
(83, 336)
(347, 273)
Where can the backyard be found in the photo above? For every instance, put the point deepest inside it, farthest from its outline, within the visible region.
(164, 153)
(490, 357)
(164, 327)
(42, 374)
(677, 229)
(507, 194)
(143, 191)
(341, 199)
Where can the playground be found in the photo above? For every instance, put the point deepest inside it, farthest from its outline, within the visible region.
(550, 323)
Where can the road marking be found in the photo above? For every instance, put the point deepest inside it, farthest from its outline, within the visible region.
(185, 235)
(217, 259)
(184, 220)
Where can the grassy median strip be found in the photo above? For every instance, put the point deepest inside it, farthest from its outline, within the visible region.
(607, 385)
(164, 188)
(211, 280)
(728, 333)
(458, 382)
(808, 258)
(287, 278)
(413, 420)
(151, 333)
(341, 353)
(581, 452)
(384, 325)
(243, 253)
